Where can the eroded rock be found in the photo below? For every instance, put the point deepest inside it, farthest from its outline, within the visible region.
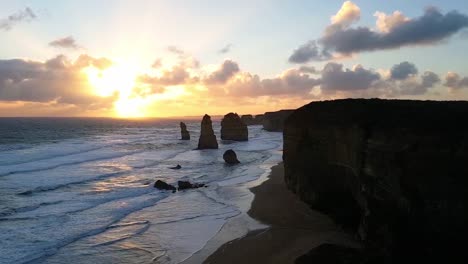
(184, 132)
(394, 172)
(230, 157)
(207, 138)
(162, 185)
(233, 128)
(184, 185)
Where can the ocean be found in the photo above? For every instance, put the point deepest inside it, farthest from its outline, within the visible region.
(80, 190)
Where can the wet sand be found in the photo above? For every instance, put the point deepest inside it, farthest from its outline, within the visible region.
(293, 230)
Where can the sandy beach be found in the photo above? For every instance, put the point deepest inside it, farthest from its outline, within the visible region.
(293, 228)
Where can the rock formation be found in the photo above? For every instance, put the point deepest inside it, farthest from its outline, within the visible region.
(274, 121)
(258, 120)
(394, 172)
(161, 185)
(184, 185)
(207, 138)
(247, 119)
(232, 128)
(184, 132)
(230, 157)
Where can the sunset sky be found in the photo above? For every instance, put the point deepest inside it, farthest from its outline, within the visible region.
(186, 58)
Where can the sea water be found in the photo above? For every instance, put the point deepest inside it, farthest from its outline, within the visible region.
(80, 190)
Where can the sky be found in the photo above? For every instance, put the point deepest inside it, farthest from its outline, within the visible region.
(145, 58)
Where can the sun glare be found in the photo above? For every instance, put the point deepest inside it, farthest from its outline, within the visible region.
(118, 80)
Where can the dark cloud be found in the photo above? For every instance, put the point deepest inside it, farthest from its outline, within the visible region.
(428, 80)
(455, 82)
(225, 49)
(175, 50)
(308, 69)
(57, 79)
(65, 43)
(228, 69)
(403, 70)
(396, 31)
(24, 15)
(334, 78)
(308, 52)
(291, 83)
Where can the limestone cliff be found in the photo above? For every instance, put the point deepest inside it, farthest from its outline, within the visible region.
(207, 138)
(394, 172)
(233, 128)
(274, 121)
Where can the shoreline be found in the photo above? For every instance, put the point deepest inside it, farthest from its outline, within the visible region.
(293, 229)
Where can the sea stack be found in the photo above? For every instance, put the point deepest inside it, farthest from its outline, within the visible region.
(207, 137)
(233, 128)
(230, 157)
(184, 132)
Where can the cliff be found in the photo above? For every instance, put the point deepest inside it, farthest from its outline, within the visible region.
(274, 121)
(233, 128)
(394, 172)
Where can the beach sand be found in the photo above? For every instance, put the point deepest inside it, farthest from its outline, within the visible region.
(293, 230)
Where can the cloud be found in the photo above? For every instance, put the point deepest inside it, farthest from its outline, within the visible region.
(26, 15)
(386, 23)
(455, 82)
(291, 83)
(403, 70)
(228, 69)
(225, 49)
(175, 50)
(309, 51)
(308, 69)
(393, 31)
(65, 43)
(348, 14)
(335, 78)
(58, 79)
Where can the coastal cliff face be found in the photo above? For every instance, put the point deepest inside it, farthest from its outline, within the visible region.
(274, 121)
(233, 128)
(393, 172)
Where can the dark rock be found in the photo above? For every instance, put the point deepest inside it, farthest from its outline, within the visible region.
(233, 128)
(207, 138)
(161, 185)
(334, 254)
(178, 167)
(394, 172)
(258, 120)
(230, 157)
(247, 119)
(274, 121)
(183, 185)
(184, 132)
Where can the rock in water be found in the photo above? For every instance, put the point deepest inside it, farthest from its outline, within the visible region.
(184, 132)
(207, 137)
(233, 128)
(392, 171)
(183, 185)
(230, 157)
(247, 119)
(161, 185)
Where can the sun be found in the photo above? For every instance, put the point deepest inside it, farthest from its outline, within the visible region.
(117, 80)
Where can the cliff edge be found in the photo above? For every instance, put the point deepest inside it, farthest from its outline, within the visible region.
(393, 172)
